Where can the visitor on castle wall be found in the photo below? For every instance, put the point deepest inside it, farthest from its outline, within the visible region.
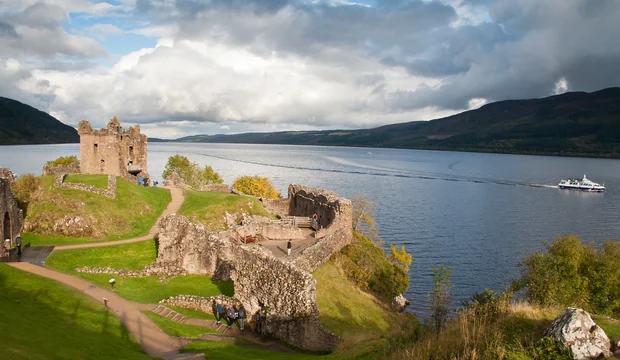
(242, 316)
(289, 245)
(315, 221)
(221, 312)
(140, 180)
(18, 243)
(216, 312)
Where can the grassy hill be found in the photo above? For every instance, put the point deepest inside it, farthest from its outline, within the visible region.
(57, 216)
(23, 124)
(571, 124)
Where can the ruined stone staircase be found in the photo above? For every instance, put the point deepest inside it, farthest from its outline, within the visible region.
(169, 313)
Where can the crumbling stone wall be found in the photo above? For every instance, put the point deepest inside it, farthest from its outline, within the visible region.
(336, 215)
(269, 229)
(60, 170)
(276, 206)
(11, 216)
(113, 150)
(288, 292)
(6, 173)
(110, 192)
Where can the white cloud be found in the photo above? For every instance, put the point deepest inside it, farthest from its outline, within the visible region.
(560, 87)
(476, 103)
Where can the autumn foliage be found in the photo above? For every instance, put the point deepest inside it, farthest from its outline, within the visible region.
(256, 186)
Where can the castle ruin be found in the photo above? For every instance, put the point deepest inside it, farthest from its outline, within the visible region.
(113, 150)
(11, 216)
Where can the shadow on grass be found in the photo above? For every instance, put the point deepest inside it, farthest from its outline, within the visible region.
(48, 318)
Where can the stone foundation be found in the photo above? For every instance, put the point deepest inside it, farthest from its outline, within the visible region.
(60, 170)
(110, 192)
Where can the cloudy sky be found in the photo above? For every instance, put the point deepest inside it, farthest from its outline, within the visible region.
(181, 67)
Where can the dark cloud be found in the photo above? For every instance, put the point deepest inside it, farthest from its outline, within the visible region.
(7, 30)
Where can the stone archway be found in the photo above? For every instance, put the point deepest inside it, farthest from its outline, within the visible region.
(6, 233)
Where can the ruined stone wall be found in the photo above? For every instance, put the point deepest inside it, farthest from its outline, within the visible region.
(11, 216)
(60, 170)
(336, 215)
(113, 150)
(6, 173)
(276, 206)
(110, 192)
(269, 229)
(288, 292)
(216, 188)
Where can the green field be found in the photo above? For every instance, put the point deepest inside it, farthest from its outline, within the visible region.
(135, 256)
(98, 181)
(42, 319)
(131, 214)
(209, 208)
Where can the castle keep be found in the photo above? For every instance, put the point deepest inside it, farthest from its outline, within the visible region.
(113, 150)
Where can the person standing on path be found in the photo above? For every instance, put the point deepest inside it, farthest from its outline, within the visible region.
(221, 312)
(230, 316)
(242, 316)
(289, 245)
(18, 243)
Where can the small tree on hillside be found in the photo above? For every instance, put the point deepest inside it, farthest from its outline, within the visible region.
(256, 186)
(400, 258)
(64, 161)
(363, 216)
(190, 172)
(23, 189)
(440, 297)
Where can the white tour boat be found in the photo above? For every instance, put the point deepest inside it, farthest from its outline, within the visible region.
(584, 184)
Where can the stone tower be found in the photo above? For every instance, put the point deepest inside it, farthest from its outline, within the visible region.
(113, 150)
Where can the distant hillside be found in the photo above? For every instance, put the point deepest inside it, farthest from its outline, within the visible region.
(571, 124)
(23, 124)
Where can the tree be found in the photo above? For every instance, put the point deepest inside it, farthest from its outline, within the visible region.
(363, 216)
(64, 161)
(400, 258)
(23, 188)
(190, 172)
(440, 297)
(256, 186)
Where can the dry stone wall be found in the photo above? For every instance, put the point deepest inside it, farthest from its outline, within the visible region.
(259, 278)
(60, 170)
(6, 173)
(277, 207)
(110, 192)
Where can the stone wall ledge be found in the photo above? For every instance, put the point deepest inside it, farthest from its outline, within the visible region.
(110, 192)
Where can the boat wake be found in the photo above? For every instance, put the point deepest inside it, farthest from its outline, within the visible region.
(368, 170)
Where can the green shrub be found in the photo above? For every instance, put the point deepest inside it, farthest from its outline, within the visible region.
(440, 297)
(256, 186)
(24, 188)
(489, 303)
(190, 172)
(570, 273)
(64, 161)
(366, 265)
(550, 349)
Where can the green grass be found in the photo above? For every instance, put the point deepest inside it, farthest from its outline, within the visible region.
(174, 328)
(98, 181)
(193, 314)
(355, 315)
(609, 325)
(135, 256)
(42, 319)
(239, 350)
(131, 214)
(209, 208)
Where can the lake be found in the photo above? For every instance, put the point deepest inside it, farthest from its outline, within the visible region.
(477, 213)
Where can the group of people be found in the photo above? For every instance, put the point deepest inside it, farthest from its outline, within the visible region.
(233, 314)
(7, 245)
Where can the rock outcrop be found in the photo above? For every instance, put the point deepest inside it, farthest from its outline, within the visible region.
(576, 330)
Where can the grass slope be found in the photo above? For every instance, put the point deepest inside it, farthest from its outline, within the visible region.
(42, 319)
(146, 289)
(98, 181)
(209, 208)
(132, 213)
(193, 314)
(174, 328)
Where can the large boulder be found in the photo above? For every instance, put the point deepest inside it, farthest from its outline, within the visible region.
(576, 330)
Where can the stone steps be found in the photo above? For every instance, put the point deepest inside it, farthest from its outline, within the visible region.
(169, 313)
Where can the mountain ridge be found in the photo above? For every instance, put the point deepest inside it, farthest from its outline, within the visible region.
(22, 124)
(570, 124)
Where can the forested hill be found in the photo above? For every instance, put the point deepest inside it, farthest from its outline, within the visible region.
(23, 124)
(576, 123)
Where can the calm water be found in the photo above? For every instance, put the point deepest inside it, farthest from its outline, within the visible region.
(478, 213)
